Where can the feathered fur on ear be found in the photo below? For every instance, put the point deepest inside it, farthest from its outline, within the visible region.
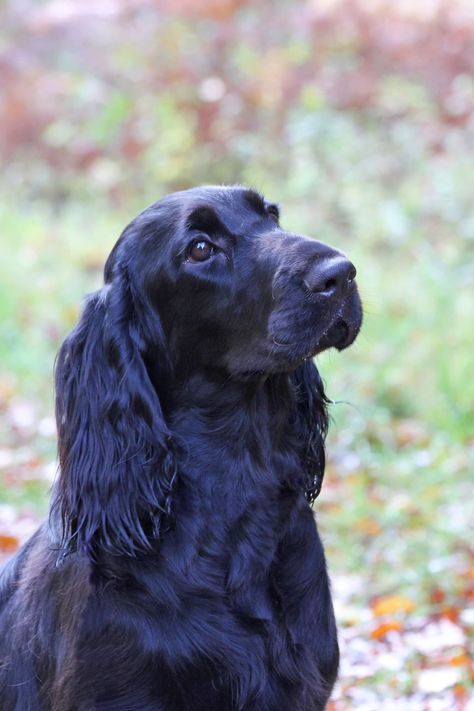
(117, 469)
(312, 422)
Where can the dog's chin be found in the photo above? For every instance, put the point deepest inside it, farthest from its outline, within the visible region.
(340, 335)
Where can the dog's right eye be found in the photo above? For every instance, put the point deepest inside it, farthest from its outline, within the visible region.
(201, 251)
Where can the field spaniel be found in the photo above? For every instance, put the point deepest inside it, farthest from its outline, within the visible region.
(180, 568)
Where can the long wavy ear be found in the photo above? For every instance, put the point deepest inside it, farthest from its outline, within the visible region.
(117, 469)
(312, 424)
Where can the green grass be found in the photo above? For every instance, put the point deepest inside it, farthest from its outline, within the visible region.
(49, 263)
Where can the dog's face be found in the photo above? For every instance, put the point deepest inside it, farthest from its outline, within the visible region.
(234, 290)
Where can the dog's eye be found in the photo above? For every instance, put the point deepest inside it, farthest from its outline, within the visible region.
(273, 212)
(200, 251)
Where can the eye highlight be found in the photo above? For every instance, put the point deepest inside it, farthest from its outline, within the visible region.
(201, 251)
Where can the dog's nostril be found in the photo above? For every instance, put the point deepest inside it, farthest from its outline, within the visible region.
(330, 285)
(331, 276)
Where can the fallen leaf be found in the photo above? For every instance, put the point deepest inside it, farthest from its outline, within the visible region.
(386, 627)
(450, 612)
(459, 660)
(8, 544)
(392, 604)
(437, 596)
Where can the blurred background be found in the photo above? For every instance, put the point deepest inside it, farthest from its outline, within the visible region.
(358, 117)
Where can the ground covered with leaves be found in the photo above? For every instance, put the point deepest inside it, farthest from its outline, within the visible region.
(359, 117)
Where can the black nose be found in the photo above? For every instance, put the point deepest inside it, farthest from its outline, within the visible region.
(330, 277)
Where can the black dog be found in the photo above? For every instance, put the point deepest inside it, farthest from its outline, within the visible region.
(181, 568)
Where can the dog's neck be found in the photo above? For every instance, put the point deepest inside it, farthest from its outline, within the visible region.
(235, 437)
(232, 413)
(235, 444)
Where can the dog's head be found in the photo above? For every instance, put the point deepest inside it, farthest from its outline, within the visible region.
(233, 288)
(202, 281)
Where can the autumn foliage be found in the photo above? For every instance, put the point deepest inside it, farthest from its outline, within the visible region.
(94, 88)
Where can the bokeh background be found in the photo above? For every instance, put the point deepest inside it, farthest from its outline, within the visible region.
(358, 117)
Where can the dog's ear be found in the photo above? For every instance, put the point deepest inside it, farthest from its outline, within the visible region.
(117, 468)
(311, 424)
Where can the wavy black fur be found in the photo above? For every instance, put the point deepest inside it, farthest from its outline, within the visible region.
(181, 568)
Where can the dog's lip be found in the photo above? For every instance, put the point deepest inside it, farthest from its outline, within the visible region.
(340, 335)
(337, 336)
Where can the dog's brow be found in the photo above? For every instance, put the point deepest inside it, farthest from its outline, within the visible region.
(256, 202)
(203, 218)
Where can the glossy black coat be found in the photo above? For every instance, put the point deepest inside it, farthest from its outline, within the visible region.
(181, 568)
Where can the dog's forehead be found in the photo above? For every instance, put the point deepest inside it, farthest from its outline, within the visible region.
(229, 198)
(233, 206)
